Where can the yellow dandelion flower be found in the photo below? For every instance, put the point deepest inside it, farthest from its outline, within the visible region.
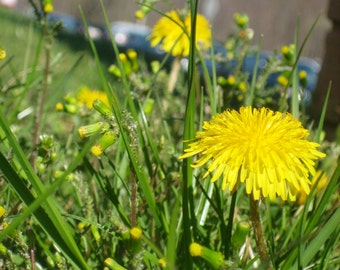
(87, 96)
(266, 150)
(173, 32)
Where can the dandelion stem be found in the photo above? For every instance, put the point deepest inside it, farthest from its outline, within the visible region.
(133, 199)
(174, 74)
(258, 232)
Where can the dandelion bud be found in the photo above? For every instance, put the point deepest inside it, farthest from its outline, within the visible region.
(196, 250)
(89, 130)
(46, 142)
(107, 139)
(126, 64)
(215, 259)
(155, 66)
(139, 14)
(148, 105)
(2, 54)
(70, 99)
(113, 265)
(48, 6)
(104, 110)
(59, 107)
(241, 232)
(288, 53)
(71, 108)
(221, 81)
(81, 225)
(113, 69)
(135, 233)
(282, 80)
(241, 20)
(3, 250)
(303, 78)
(95, 233)
(132, 54)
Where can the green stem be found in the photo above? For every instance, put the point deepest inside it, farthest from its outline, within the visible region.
(43, 95)
(176, 65)
(258, 232)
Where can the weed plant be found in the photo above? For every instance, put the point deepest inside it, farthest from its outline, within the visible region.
(91, 179)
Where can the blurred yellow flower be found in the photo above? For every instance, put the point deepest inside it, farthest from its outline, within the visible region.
(266, 150)
(135, 233)
(48, 8)
(2, 54)
(2, 211)
(174, 30)
(282, 80)
(86, 96)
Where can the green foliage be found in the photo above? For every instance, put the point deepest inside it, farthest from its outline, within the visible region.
(74, 210)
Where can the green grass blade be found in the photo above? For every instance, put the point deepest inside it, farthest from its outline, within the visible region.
(324, 234)
(49, 204)
(250, 98)
(317, 137)
(143, 180)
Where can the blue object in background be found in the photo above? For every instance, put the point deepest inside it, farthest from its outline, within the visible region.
(134, 36)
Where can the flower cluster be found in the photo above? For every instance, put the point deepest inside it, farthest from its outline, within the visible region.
(108, 129)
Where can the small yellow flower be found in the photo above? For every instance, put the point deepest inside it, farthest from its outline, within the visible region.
(48, 8)
(285, 50)
(302, 74)
(2, 54)
(231, 80)
(97, 150)
(162, 263)
(195, 250)
(242, 86)
(135, 233)
(282, 80)
(174, 30)
(59, 107)
(266, 150)
(139, 14)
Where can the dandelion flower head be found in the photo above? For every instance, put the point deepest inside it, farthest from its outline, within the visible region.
(87, 96)
(173, 32)
(266, 150)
